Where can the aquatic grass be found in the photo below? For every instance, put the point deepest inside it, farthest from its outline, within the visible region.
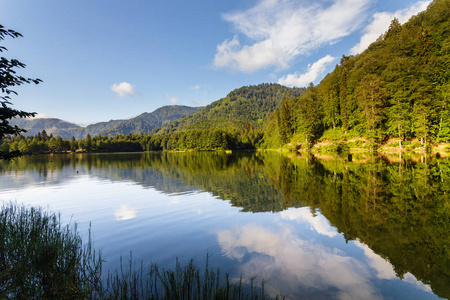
(187, 282)
(41, 259)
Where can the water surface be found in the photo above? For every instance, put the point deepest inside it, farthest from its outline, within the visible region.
(311, 228)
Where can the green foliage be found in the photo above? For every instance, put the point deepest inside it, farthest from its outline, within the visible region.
(248, 104)
(309, 115)
(184, 282)
(8, 80)
(40, 259)
(285, 121)
(206, 139)
(398, 87)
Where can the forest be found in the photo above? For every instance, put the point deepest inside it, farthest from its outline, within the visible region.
(194, 139)
(398, 88)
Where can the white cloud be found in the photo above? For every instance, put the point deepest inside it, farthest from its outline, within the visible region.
(281, 30)
(314, 71)
(195, 87)
(382, 20)
(123, 89)
(173, 100)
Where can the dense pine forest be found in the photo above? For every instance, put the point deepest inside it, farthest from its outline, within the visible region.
(396, 90)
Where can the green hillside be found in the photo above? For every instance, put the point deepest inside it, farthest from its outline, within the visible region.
(248, 104)
(398, 88)
(146, 122)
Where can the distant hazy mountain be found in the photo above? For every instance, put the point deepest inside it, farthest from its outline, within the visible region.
(143, 123)
(51, 125)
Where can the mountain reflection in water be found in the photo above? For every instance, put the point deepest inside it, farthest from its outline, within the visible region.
(371, 219)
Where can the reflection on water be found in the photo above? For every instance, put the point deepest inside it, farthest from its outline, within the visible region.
(124, 212)
(313, 228)
(297, 266)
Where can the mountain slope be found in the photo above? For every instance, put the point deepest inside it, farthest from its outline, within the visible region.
(143, 123)
(146, 122)
(50, 125)
(248, 104)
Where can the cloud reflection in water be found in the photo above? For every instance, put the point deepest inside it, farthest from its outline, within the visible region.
(299, 267)
(124, 212)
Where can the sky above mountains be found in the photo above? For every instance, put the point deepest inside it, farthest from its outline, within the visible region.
(109, 59)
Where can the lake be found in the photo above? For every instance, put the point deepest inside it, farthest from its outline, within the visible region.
(310, 227)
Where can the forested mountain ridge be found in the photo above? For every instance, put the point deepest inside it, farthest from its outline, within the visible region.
(397, 88)
(144, 123)
(249, 105)
(50, 125)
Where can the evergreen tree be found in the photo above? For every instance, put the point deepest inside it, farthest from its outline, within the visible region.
(285, 121)
(371, 100)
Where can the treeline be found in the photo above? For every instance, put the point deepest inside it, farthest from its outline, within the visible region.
(398, 88)
(206, 139)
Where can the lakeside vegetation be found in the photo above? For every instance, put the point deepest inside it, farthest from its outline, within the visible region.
(42, 259)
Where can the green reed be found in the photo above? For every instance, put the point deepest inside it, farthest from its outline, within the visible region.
(41, 259)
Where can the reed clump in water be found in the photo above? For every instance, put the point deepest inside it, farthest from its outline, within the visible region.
(187, 282)
(41, 259)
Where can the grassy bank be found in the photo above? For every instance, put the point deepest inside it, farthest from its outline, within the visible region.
(42, 259)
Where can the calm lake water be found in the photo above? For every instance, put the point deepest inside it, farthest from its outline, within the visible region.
(311, 228)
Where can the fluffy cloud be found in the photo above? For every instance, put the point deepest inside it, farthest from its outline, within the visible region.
(381, 22)
(195, 87)
(123, 89)
(281, 30)
(313, 72)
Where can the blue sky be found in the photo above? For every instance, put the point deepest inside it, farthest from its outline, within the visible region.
(108, 59)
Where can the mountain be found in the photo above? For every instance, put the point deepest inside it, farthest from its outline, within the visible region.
(51, 125)
(146, 122)
(143, 123)
(246, 105)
